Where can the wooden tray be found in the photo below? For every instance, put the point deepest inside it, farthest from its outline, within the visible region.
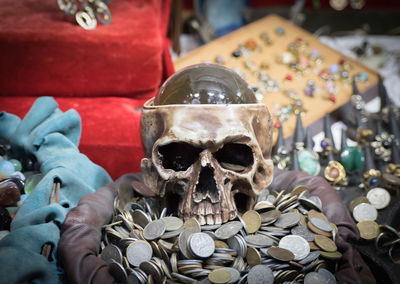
(316, 107)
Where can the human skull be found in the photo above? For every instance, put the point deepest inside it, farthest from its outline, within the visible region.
(206, 161)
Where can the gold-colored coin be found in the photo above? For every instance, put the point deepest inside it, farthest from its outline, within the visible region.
(252, 220)
(192, 223)
(369, 230)
(325, 243)
(219, 276)
(298, 189)
(331, 255)
(318, 231)
(335, 228)
(253, 256)
(220, 244)
(315, 214)
(262, 205)
(313, 246)
(357, 201)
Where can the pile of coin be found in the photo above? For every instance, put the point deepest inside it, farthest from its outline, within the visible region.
(284, 238)
(365, 211)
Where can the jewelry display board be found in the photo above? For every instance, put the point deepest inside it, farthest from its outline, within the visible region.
(289, 69)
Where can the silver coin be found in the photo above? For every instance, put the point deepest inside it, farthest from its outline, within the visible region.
(304, 232)
(154, 230)
(235, 275)
(321, 224)
(139, 251)
(118, 272)
(310, 257)
(210, 227)
(183, 241)
(183, 278)
(330, 278)
(314, 278)
(297, 245)
(260, 274)
(378, 197)
(288, 220)
(365, 211)
(172, 223)
(259, 240)
(140, 218)
(171, 234)
(228, 230)
(238, 244)
(111, 252)
(201, 245)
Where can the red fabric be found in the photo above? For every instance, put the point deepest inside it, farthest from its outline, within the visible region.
(105, 74)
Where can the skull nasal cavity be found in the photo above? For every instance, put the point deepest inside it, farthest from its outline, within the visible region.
(207, 182)
(178, 156)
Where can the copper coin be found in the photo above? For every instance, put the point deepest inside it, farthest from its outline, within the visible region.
(280, 254)
(252, 220)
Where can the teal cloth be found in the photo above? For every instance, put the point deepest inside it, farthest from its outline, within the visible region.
(52, 136)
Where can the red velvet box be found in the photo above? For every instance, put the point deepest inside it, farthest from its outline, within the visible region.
(105, 74)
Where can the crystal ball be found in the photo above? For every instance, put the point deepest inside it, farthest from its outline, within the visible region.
(205, 84)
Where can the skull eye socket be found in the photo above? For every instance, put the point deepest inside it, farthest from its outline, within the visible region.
(178, 156)
(235, 157)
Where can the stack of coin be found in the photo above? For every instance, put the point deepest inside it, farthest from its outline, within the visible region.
(365, 211)
(285, 238)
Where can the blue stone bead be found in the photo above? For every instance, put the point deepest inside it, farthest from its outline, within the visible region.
(373, 181)
(334, 68)
(324, 144)
(363, 76)
(6, 169)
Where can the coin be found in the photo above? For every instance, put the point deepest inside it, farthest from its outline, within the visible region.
(297, 245)
(118, 272)
(192, 223)
(228, 230)
(298, 190)
(140, 218)
(321, 224)
(368, 229)
(270, 216)
(183, 278)
(183, 240)
(154, 230)
(365, 211)
(219, 276)
(252, 220)
(314, 278)
(315, 214)
(310, 257)
(329, 277)
(378, 197)
(111, 252)
(259, 240)
(201, 245)
(331, 255)
(172, 223)
(356, 201)
(303, 232)
(235, 274)
(263, 205)
(325, 243)
(287, 220)
(138, 251)
(280, 254)
(260, 274)
(253, 256)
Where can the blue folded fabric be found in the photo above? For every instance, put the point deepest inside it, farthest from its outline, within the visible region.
(52, 137)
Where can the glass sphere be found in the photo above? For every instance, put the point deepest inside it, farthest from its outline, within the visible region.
(205, 84)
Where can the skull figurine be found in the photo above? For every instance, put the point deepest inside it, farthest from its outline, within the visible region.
(207, 144)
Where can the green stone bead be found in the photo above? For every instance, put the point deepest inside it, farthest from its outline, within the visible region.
(31, 182)
(17, 165)
(308, 162)
(352, 158)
